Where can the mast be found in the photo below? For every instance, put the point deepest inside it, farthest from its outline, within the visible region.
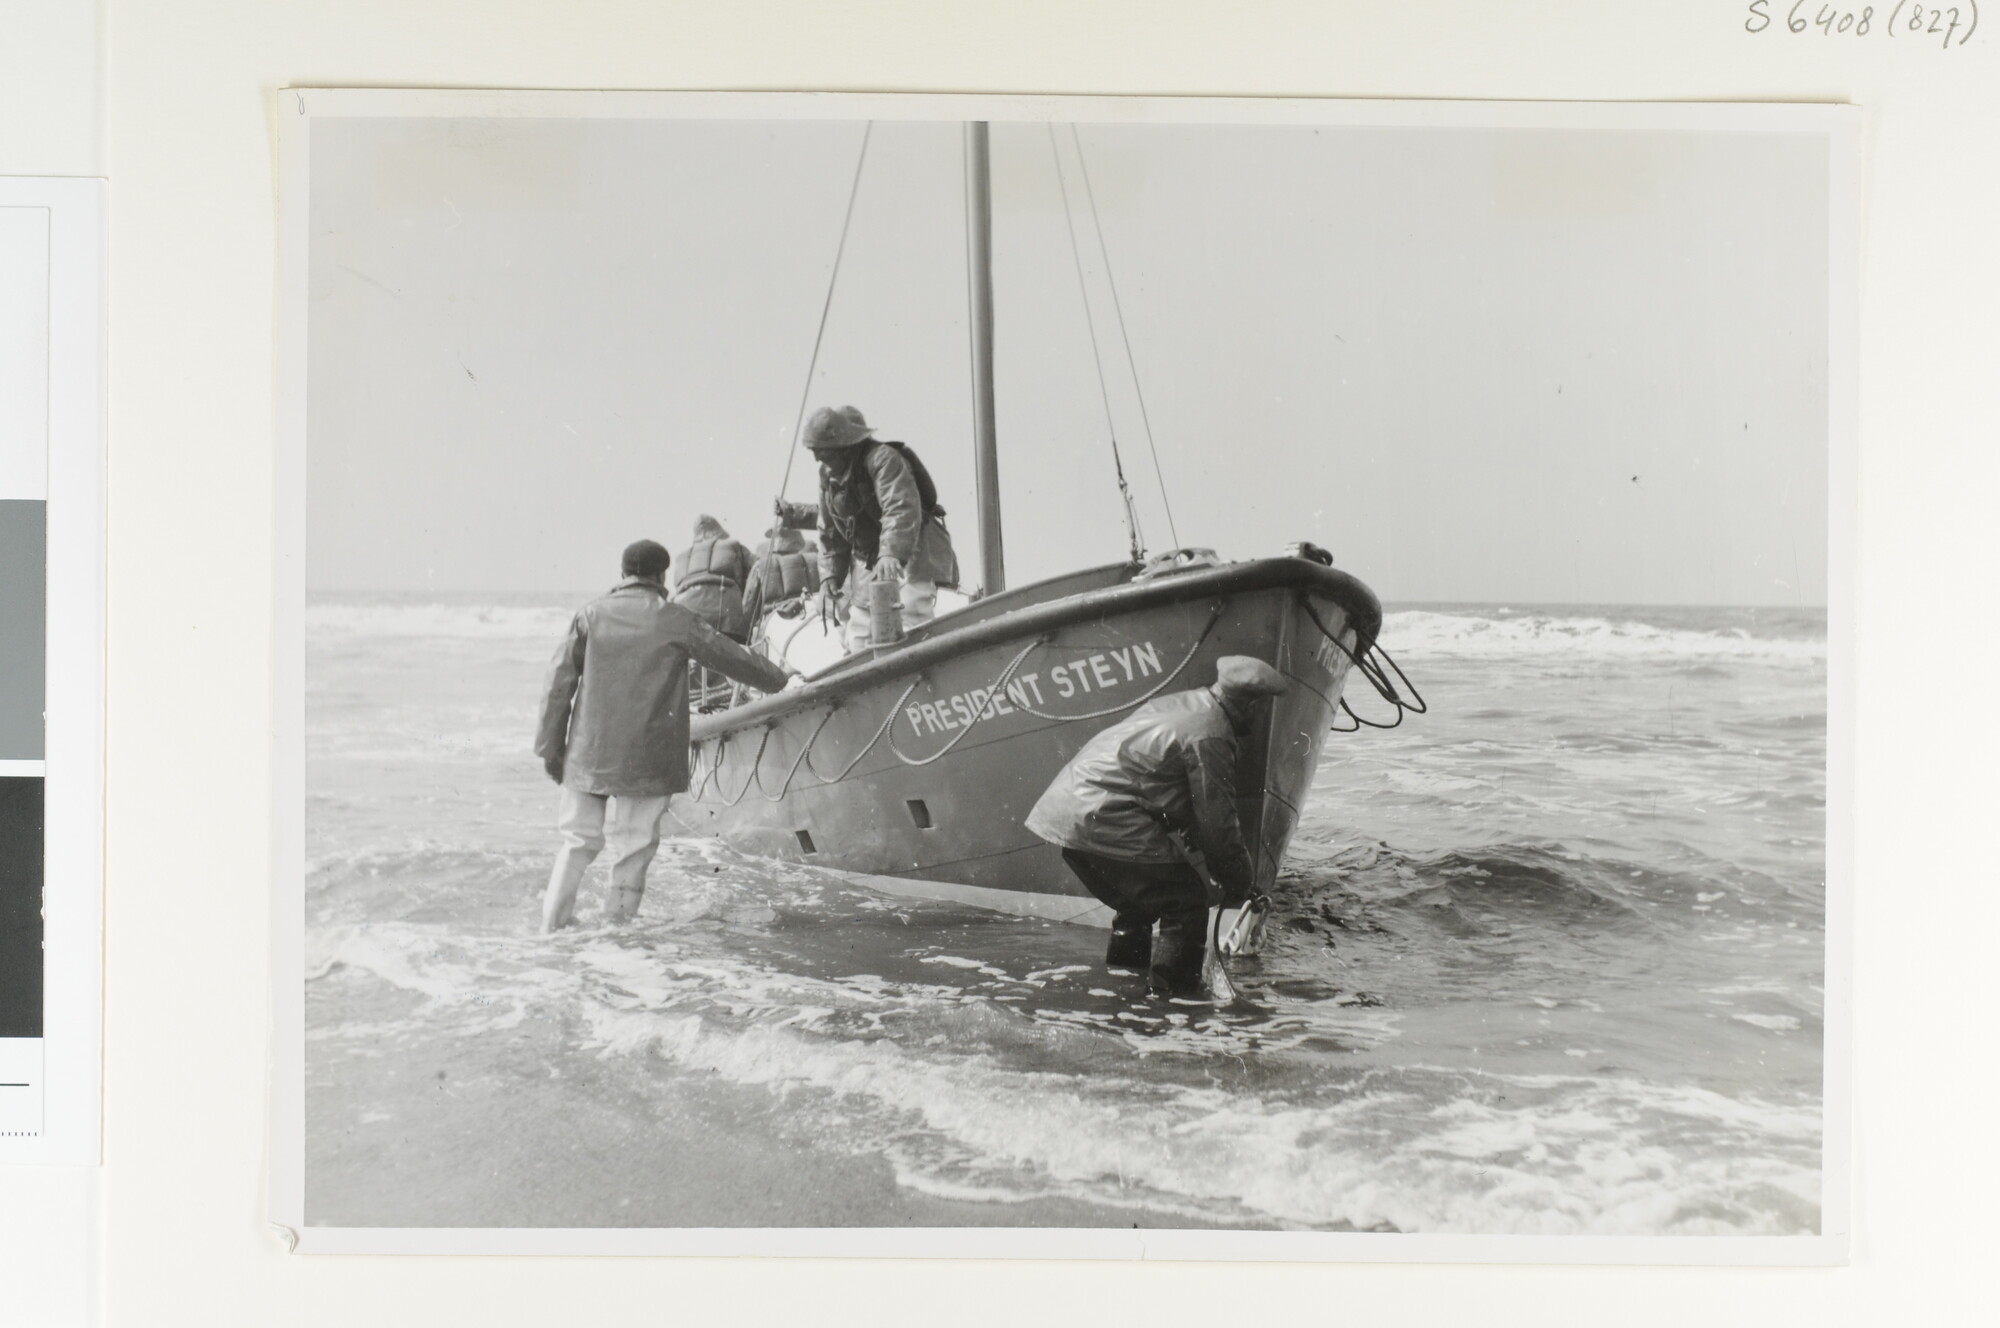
(979, 265)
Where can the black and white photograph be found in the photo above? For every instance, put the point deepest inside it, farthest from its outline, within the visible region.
(871, 663)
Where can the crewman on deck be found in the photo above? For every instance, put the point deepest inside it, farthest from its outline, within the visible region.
(614, 726)
(879, 520)
(1168, 768)
(711, 579)
(783, 573)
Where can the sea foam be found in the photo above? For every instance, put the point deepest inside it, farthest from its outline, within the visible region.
(1413, 633)
(490, 621)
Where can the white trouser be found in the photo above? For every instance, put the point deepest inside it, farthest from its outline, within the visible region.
(919, 607)
(634, 836)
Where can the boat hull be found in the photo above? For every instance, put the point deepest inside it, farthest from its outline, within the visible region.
(914, 770)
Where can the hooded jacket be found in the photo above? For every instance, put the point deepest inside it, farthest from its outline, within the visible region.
(785, 566)
(870, 505)
(615, 706)
(710, 576)
(1171, 762)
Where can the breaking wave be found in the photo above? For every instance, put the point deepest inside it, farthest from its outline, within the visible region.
(929, 1077)
(1413, 633)
(504, 621)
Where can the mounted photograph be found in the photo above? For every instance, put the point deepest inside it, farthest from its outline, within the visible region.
(885, 674)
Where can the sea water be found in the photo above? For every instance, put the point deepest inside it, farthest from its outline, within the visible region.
(1546, 959)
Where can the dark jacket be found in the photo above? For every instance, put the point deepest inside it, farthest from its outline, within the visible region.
(786, 566)
(870, 505)
(709, 578)
(615, 706)
(1171, 761)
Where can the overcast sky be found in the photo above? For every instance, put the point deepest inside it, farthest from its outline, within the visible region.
(1479, 365)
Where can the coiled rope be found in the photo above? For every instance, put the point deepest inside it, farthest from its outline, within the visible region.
(1377, 678)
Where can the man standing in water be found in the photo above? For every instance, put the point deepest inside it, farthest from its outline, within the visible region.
(879, 520)
(614, 726)
(1168, 767)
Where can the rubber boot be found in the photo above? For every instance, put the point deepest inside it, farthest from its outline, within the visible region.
(1178, 953)
(628, 877)
(1131, 948)
(559, 900)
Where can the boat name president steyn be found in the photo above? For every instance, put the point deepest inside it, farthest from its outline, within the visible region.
(1092, 673)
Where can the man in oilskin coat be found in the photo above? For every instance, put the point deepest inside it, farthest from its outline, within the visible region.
(874, 524)
(1170, 766)
(614, 726)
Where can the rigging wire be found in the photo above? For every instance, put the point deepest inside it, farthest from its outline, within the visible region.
(819, 338)
(1130, 363)
(1097, 358)
(832, 280)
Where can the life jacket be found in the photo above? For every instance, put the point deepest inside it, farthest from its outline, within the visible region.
(786, 567)
(855, 509)
(713, 559)
(710, 575)
(926, 486)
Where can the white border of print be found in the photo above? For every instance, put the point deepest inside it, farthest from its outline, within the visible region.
(73, 744)
(295, 111)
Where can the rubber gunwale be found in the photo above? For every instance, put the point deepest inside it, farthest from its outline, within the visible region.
(1358, 602)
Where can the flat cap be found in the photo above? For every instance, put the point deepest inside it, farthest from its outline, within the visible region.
(1241, 675)
(645, 558)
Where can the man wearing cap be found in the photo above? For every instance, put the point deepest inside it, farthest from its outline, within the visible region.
(1168, 767)
(614, 726)
(879, 520)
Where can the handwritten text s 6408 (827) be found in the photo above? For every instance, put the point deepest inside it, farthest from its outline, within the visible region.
(1947, 25)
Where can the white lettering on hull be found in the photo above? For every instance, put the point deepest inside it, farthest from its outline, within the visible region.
(1328, 656)
(1098, 672)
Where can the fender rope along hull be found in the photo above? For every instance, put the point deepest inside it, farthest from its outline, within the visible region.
(938, 747)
